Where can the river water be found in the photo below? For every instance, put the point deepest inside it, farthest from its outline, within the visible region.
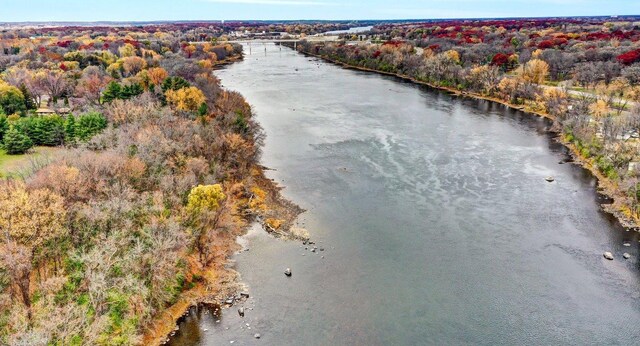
(437, 222)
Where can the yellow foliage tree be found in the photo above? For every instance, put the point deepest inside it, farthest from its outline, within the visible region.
(205, 198)
(127, 50)
(599, 109)
(186, 99)
(453, 55)
(133, 64)
(30, 218)
(157, 75)
(535, 71)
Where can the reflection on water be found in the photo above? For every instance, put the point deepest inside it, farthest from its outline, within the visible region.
(437, 223)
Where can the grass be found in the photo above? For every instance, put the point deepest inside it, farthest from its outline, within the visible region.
(11, 165)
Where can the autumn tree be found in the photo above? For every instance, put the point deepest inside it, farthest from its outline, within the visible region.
(54, 83)
(11, 99)
(205, 205)
(186, 99)
(132, 65)
(29, 221)
(91, 84)
(535, 71)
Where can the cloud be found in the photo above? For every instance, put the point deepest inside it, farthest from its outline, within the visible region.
(274, 2)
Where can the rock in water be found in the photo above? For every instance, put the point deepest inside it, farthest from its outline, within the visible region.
(626, 255)
(608, 255)
(256, 335)
(549, 179)
(244, 294)
(241, 312)
(287, 272)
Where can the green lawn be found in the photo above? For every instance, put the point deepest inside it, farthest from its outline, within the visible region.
(14, 164)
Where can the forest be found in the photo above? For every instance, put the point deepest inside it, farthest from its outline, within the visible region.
(156, 175)
(582, 73)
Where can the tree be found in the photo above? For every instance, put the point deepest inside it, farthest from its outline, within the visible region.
(4, 126)
(127, 50)
(157, 75)
(89, 124)
(29, 102)
(16, 142)
(632, 73)
(174, 83)
(90, 85)
(29, 221)
(112, 92)
(53, 82)
(205, 198)
(11, 99)
(131, 90)
(630, 57)
(535, 71)
(132, 65)
(203, 109)
(186, 99)
(70, 130)
(599, 109)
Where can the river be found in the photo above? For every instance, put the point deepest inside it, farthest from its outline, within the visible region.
(437, 223)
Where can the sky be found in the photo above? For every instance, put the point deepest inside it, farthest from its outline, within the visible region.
(147, 10)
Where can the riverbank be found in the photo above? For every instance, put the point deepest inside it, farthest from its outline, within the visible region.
(266, 206)
(618, 208)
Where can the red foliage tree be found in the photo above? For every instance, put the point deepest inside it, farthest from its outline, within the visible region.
(500, 59)
(629, 58)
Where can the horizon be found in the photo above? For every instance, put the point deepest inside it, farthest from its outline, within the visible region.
(310, 20)
(36, 11)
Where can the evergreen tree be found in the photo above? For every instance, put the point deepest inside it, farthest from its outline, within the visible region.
(89, 124)
(29, 102)
(16, 142)
(70, 130)
(174, 83)
(129, 91)
(112, 92)
(4, 126)
(203, 109)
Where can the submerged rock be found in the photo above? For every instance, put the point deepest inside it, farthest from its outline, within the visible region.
(241, 312)
(287, 272)
(626, 255)
(608, 255)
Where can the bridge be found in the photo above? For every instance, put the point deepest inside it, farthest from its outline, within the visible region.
(277, 40)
